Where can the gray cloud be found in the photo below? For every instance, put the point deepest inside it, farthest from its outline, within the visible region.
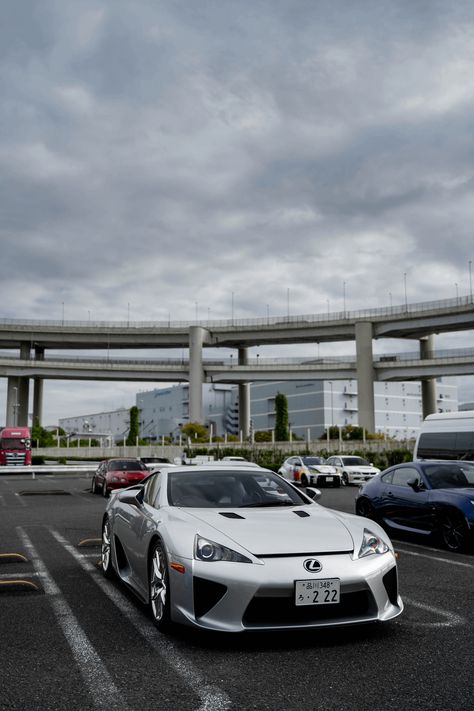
(156, 155)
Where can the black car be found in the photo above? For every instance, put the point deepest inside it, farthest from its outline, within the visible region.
(430, 498)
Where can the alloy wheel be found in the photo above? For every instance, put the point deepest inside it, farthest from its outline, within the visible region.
(159, 587)
(106, 550)
(453, 532)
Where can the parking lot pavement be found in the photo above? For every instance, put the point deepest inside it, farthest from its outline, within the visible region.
(78, 641)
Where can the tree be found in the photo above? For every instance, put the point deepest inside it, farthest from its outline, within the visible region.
(134, 430)
(263, 436)
(281, 422)
(196, 432)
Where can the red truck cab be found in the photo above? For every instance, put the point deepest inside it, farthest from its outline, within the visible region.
(15, 446)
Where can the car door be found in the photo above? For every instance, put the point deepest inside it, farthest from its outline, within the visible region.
(130, 527)
(402, 505)
(288, 467)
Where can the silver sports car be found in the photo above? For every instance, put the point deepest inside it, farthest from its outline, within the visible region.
(236, 549)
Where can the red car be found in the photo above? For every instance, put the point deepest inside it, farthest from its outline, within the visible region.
(118, 474)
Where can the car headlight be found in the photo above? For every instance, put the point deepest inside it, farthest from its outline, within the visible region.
(210, 552)
(371, 543)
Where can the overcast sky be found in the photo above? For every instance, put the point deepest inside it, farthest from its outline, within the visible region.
(157, 157)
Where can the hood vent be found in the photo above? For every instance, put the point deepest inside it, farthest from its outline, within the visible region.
(230, 514)
(301, 514)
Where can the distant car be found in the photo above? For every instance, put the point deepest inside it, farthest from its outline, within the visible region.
(309, 471)
(431, 498)
(234, 459)
(241, 549)
(353, 470)
(118, 474)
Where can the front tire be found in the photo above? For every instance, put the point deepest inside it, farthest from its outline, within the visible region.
(158, 587)
(106, 550)
(453, 531)
(304, 480)
(105, 492)
(345, 479)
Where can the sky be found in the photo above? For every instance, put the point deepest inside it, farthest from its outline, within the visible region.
(167, 159)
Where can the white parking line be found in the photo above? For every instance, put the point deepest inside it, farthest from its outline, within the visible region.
(212, 697)
(2, 500)
(451, 618)
(434, 557)
(104, 693)
(21, 501)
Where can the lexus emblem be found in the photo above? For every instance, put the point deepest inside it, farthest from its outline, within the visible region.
(312, 565)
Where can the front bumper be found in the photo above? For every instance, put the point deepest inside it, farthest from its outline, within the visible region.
(234, 597)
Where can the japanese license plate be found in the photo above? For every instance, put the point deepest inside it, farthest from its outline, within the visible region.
(324, 591)
(329, 478)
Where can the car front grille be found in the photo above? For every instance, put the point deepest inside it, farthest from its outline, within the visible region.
(281, 611)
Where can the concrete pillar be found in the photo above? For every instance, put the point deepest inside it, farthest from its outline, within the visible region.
(197, 336)
(38, 391)
(244, 398)
(428, 386)
(11, 416)
(365, 375)
(23, 389)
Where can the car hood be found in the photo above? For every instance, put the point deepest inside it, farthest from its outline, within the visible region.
(321, 468)
(361, 468)
(267, 531)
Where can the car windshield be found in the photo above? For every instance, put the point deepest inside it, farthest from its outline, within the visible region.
(313, 460)
(355, 462)
(126, 465)
(228, 489)
(450, 476)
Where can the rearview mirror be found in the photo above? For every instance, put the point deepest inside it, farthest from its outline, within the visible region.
(313, 493)
(132, 497)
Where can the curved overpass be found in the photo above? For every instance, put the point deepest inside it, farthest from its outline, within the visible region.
(411, 321)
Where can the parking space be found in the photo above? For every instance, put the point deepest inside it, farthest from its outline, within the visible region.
(81, 642)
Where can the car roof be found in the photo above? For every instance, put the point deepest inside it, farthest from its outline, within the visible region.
(212, 469)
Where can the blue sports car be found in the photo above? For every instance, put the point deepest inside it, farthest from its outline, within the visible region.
(425, 497)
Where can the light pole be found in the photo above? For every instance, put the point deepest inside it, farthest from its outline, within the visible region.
(390, 297)
(405, 283)
(470, 280)
(15, 407)
(288, 303)
(344, 297)
(332, 403)
(457, 291)
(232, 308)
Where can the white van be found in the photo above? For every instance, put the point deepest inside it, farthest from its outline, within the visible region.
(448, 435)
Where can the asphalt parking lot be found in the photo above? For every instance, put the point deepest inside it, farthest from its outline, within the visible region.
(70, 639)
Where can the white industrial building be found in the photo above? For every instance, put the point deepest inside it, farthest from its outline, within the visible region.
(313, 406)
(103, 426)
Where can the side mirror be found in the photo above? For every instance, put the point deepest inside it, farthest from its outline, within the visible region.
(313, 493)
(133, 497)
(415, 484)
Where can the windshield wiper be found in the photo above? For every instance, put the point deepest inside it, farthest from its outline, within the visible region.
(268, 503)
